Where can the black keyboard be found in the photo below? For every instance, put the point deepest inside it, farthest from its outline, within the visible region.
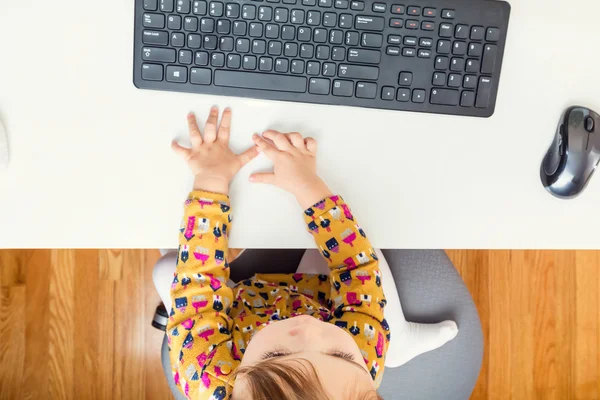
(436, 56)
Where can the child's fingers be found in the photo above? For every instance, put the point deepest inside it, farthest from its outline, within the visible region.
(248, 155)
(224, 128)
(296, 139)
(311, 144)
(210, 129)
(279, 139)
(263, 177)
(195, 136)
(180, 150)
(264, 146)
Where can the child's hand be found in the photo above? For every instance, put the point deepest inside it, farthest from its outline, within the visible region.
(211, 160)
(294, 166)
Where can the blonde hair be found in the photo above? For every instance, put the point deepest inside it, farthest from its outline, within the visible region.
(292, 379)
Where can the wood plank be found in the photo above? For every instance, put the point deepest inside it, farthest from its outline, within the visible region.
(86, 324)
(37, 318)
(62, 324)
(565, 270)
(106, 339)
(111, 264)
(587, 328)
(12, 342)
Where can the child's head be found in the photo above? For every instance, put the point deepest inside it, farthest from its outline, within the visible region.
(303, 358)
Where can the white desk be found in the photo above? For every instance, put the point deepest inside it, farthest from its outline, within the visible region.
(91, 164)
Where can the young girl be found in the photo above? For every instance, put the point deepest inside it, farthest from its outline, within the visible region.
(275, 337)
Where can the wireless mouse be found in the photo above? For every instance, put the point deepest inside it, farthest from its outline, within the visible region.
(574, 153)
(3, 147)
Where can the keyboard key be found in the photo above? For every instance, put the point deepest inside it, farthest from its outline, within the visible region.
(448, 14)
(472, 66)
(183, 7)
(194, 41)
(288, 32)
(371, 40)
(232, 10)
(307, 50)
(379, 7)
(444, 46)
(304, 34)
(185, 57)
(158, 54)
(439, 79)
(152, 72)
(216, 9)
(313, 18)
(255, 29)
(470, 82)
(336, 36)
(272, 31)
(454, 80)
(387, 93)
(408, 52)
(249, 62)
(477, 33)
(150, 5)
(358, 72)
(418, 96)
(174, 22)
(328, 69)
(459, 48)
(265, 64)
(154, 20)
(259, 47)
(352, 38)
(394, 39)
(429, 12)
(369, 23)
(201, 58)
(341, 4)
(319, 35)
(457, 64)
(484, 92)
(396, 22)
(242, 45)
(410, 41)
(275, 48)
(338, 54)
(413, 10)
(343, 88)
(210, 42)
(461, 31)
(364, 56)
(291, 50)
(318, 86)
(424, 53)
(284, 1)
(345, 21)
(207, 25)
(223, 26)
(167, 5)
(155, 37)
(412, 24)
(425, 42)
(282, 65)
(467, 99)
(239, 28)
(490, 53)
(297, 67)
(297, 17)
(190, 24)
(176, 74)
(254, 80)
(322, 52)
(397, 9)
(226, 44)
(446, 97)
(427, 26)
(249, 12)
(392, 51)
(325, 3)
(366, 90)
(357, 5)
(475, 50)
(200, 7)
(492, 34)
(217, 59)
(310, 3)
(234, 61)
(403, 95)
(329, 19)
(201, 76)
(445, 30)
(405, 78)
(441, 63)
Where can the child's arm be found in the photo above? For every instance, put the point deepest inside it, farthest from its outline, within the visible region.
(199, 329)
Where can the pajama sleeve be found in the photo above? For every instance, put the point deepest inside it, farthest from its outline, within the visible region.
(199, 329)
(356, 292)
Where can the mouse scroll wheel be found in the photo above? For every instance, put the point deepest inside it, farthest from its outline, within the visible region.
(589, 124)
(555, 153)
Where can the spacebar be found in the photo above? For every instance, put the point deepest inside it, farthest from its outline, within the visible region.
(253, 80)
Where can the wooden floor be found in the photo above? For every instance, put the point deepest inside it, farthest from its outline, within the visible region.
(76, 324)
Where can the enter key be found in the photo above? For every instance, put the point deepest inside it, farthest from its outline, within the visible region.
(364, 56)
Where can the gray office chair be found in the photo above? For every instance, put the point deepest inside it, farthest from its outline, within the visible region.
(430, 290)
